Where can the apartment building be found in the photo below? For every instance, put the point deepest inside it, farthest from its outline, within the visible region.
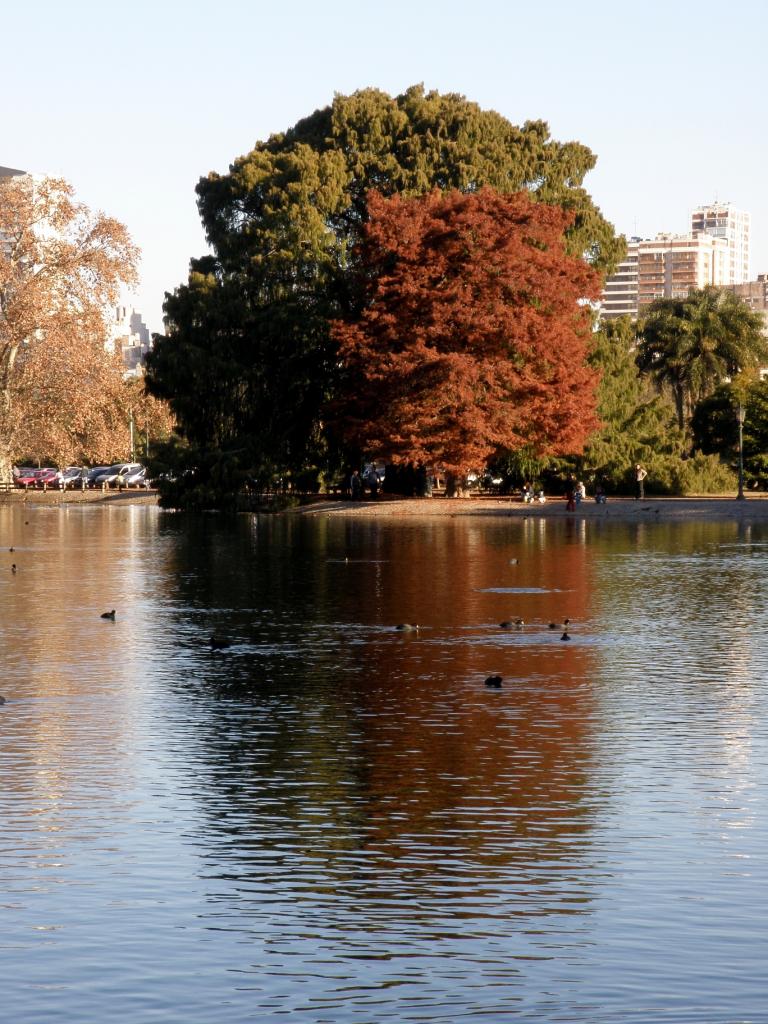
(619, 296)
(724, 220)
(671, 266)
(754, 292)
(668, 266)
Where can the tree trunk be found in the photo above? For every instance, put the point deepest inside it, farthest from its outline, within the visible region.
(680, 405)
(455, 486)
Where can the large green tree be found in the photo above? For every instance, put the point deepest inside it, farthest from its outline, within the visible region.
(690, 346)
(248, 363)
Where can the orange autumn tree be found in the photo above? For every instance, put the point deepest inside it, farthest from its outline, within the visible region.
(61, 267)
(70, 400)
(474, 333)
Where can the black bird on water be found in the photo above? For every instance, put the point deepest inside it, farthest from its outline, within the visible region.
(408, 627)
(565, 636)
(494, 682)
(218, 643)
(109, 615)
(13, 567)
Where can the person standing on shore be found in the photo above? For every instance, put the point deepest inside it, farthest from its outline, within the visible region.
(570, 494)
(640, 475)
(355, 486)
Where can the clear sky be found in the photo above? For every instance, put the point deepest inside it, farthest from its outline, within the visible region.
(132, 103)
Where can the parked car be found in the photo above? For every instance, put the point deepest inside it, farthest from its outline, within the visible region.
(47, 478)
(118, 475)
(96, 473)
(133, 475)
(74, 476)
(25, 476)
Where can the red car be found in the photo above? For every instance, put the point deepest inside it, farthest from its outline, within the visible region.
(25, 477)
(48, 478)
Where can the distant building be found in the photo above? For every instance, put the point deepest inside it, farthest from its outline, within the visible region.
(620, 292)
(11, 172)
(671, 266)
(668, 266)
(128, 331)
(754, 292)
(716, 252)
(724, 220)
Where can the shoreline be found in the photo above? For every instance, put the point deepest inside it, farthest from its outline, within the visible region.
(724, 509)
(88, 497)
(753, 508)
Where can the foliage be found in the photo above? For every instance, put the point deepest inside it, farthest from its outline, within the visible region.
(716, 430)
(637, 424)
(699, 474)
(248, 364)
(152, 418)
(472, 338)
(69, 401)
(691, 345)
(247, 380)
(60, 268)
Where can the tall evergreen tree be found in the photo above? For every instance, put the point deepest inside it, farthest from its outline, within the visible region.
(636, 421)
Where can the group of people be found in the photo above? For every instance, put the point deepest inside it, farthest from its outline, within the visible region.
(575, 491)
(529, 495)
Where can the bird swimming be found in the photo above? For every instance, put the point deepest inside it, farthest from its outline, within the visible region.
(493, 681)
(509, 623)
(13, 567)
(408, 627)
(218, 643)
(109, 615)
(565, 636)
(2, 700)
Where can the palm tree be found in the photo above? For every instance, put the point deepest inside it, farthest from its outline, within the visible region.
(694, 344)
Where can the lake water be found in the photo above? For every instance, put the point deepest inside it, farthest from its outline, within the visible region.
(337, 821)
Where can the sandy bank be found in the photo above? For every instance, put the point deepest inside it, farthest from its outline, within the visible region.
(89, 497)
(754, 507)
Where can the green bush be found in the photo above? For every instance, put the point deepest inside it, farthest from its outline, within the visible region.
(699, 474)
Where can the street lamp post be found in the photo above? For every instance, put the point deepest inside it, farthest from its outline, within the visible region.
(740, 417)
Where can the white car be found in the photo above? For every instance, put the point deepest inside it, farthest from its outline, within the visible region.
(119, 475)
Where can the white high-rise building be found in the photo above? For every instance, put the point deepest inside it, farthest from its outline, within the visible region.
(724, 220)
(128, 331)
(620, 292)
(664, 267)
